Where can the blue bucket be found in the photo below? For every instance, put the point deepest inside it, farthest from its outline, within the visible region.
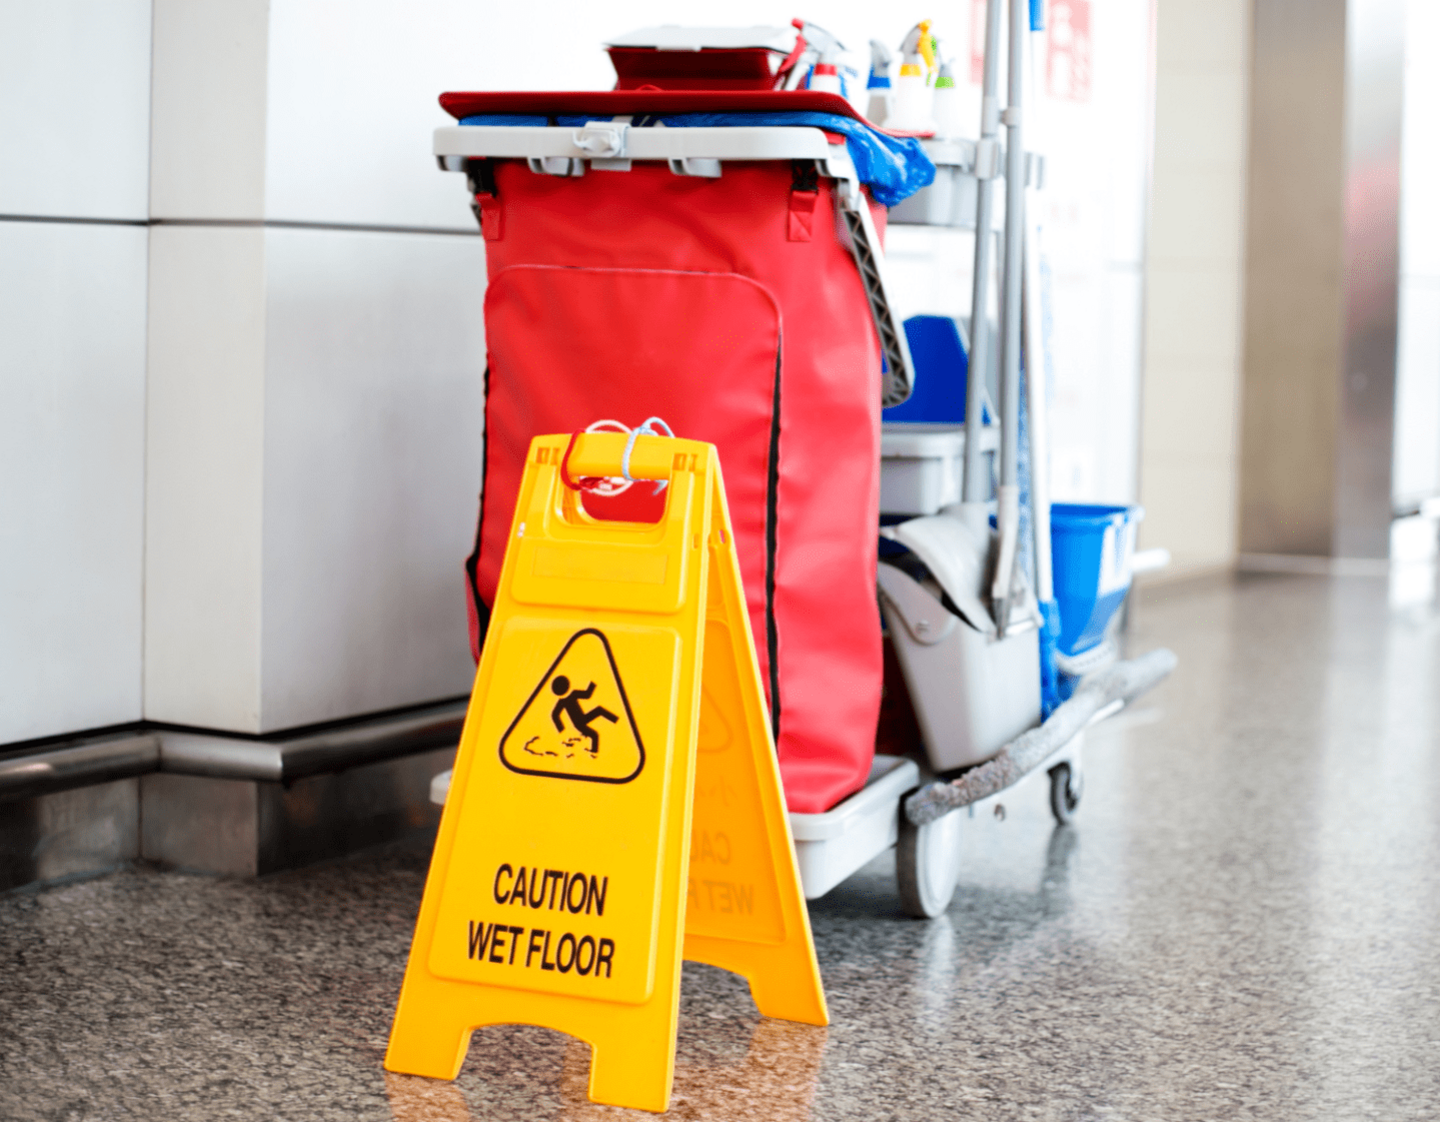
(940, 365)
(1092, 546)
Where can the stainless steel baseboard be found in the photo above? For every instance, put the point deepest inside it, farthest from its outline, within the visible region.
(215, 804)
(65, 834)
(246, 827)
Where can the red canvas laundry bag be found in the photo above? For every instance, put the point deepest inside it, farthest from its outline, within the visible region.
(732, 308)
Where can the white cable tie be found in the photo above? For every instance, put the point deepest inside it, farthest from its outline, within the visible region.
(645, 428)
(625, 459)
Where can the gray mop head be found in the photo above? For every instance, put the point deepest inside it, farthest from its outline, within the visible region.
(1125, 681)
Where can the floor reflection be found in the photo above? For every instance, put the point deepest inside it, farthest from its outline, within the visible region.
(774, 1082)
(413, 1098)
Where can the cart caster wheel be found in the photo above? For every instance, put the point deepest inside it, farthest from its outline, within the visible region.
(927, 864)
(1066, 787)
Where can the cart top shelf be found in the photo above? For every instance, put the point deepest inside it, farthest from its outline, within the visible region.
(791, 143)
(695, 130)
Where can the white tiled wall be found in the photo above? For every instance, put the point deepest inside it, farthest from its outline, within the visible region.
(1194, 280)
(316, 401)
(204, 477)
(74, 133)
(72, 429)
(374, 401)
(353, 91)
(315, 394)
(208, 130)
(1417, 397)
(74, 108)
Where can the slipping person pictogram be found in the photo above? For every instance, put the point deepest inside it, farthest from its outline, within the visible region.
(580, 719)
(575, 709)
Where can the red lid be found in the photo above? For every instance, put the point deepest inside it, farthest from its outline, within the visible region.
(744, 68)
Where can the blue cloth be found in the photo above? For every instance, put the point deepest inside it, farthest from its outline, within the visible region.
(893, 167)
(506, 120)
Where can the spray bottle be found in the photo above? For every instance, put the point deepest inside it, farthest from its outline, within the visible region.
(912, 109)
(947, 107)
(879, 83)
(827, 49)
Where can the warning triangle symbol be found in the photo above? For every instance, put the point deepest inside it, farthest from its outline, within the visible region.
(577, 723)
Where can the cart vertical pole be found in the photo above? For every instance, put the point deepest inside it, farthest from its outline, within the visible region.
(1037, 375)
(1037, 361)
(987, 165)
(1008, 513)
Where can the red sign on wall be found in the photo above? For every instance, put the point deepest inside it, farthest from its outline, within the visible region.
(977, 42)
(1068, 57)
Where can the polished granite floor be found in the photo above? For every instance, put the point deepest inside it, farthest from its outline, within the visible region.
(1243, 923)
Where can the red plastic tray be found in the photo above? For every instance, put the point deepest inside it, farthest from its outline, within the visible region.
(613, 103)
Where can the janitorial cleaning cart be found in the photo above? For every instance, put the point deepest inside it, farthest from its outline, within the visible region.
(978, 632)
(698, 251)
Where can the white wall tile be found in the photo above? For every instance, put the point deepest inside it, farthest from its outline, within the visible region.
(1417, 392)
(1197, 217)
(75, 108)
(1193, 279)
(72, 431)
(1420, 153)
(1190, 410)
(1117, 421)
(1193, 311)
(352, 91)
(928, 270)
(316, 413)
(205, 446)
(208, 136)
(374, 408)
(1200, 118)
(1095, 353)
(1416, 468)
(1078, 318)
(1122, 64)
(1202, 33)
(1190, 510)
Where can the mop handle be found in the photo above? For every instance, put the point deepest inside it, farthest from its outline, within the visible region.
(1039, 423)
(1007, 514)
(976, 487)
(1014, 228)
(1037, 359)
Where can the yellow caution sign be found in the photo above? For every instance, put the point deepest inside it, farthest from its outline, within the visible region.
(616, 803)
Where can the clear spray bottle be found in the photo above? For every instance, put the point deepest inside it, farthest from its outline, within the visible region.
(912, 109)
(878, 85)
